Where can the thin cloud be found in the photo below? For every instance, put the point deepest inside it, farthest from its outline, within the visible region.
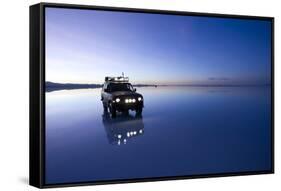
(218, 79)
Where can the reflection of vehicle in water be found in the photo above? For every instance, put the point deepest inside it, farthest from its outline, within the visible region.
(119, 95)
(120, 130)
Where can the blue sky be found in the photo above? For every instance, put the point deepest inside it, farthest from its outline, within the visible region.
(84, 46)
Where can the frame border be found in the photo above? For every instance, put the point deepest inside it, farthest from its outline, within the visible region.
(41, 153)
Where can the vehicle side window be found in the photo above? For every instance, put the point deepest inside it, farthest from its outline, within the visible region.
(104, 87)
(130, 87)
(108, 87)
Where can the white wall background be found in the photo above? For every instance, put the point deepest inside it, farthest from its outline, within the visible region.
(14, 72)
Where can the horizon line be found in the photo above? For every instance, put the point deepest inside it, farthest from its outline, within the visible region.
(155, 84)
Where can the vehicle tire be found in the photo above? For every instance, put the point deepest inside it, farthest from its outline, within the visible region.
(113, 113)
(112, 110)
(104, 107)
(139, 111)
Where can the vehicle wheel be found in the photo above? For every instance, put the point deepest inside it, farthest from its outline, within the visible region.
(112, 111)
(104, 106)
(139, 111)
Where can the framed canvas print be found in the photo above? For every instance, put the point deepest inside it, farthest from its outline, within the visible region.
(122, 95)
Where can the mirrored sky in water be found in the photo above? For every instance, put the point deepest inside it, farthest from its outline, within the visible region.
(183, 131)
(83, 46)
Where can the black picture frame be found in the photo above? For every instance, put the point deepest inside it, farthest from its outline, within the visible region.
(37, 94)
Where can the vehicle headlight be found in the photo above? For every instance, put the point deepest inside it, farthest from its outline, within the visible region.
(126, 101)
(117, 100)
(133, 100)
(139, 98)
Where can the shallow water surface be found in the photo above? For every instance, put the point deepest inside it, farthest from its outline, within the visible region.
(183, 131)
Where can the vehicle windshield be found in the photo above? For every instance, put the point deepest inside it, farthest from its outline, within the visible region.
(114, 87)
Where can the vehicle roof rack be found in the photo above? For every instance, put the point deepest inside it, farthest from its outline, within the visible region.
(116, 79)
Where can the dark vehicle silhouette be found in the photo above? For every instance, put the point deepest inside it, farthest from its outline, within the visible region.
(118, 95)
(123, 129)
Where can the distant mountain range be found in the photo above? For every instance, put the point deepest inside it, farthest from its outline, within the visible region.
(52, 86)
(71, 85)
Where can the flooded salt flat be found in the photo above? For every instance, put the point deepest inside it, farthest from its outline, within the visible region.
(182, 131)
